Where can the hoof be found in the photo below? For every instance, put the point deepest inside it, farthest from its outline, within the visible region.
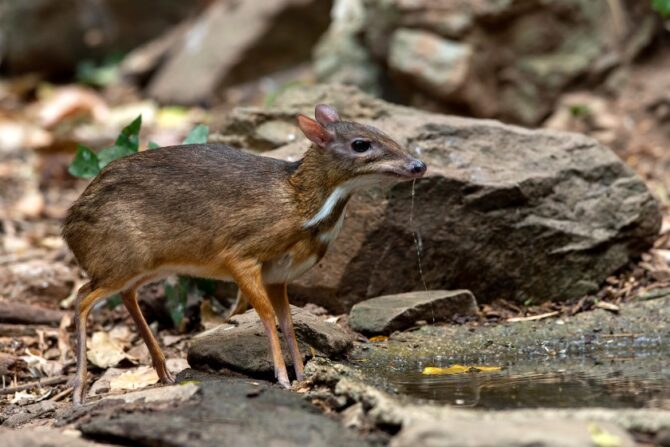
(78, 394)
(164, 374)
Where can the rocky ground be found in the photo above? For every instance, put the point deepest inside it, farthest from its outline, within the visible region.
(536, 263)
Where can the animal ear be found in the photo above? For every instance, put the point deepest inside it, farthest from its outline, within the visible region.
(318, 134)
(326, 114)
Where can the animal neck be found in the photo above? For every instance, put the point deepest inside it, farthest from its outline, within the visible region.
(321, 192)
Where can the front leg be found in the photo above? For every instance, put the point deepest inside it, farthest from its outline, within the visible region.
(247, 275)
(279, 300)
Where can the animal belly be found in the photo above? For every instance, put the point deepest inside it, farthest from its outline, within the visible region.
(198, 271)
(286, 268)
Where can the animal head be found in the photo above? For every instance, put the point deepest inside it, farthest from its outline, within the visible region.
(357, 151)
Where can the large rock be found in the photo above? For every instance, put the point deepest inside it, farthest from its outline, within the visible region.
(64, 32)
(385, 314)
(225, 412)
(506, 212)
(243, 347)
(234, 42)
(503, 59)
(441, 66)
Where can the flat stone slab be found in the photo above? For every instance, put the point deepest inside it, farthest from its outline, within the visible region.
(390, 313)
(41, 437)
(226, 412)
(457, 432)
(243, 346)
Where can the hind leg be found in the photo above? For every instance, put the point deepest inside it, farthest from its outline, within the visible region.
(157, 357)
(86, 297)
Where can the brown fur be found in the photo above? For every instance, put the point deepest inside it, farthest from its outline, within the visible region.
(221, 211)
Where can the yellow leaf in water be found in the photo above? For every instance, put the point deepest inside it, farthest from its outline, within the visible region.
(378, 338)
(458, 369)
(602, 438)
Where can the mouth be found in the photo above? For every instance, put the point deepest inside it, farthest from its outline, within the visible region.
(403, 174)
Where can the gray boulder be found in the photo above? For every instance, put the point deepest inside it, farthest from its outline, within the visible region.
(389, 313)
(504, 59)
(62, 33)
(506, 212)
(243, 346)
(233, 42)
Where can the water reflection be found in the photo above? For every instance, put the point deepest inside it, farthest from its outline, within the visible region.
(636, 383)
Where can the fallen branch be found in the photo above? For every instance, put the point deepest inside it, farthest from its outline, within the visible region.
(40, 383)
(13, 312)
(23, 330)
(534, 317)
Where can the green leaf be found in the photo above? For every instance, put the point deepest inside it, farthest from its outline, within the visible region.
(153, 145)
(99, 74)
(114, 301)
(129, 137)
(661, 6)
(198, 135)
(109, 154)
(207, 286)
(175, 299)
(85, 163)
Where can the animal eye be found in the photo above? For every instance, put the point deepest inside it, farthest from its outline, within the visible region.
(360, 145)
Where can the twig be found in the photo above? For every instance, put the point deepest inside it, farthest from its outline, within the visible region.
(39, 383)
(534, 317)
(62, 395)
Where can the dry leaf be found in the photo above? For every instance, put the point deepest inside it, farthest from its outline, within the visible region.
(209, 318)
(134, 379)
(607, 306)
(41, 367)
(63, 337)
(70, 101)
(458, 369)
(104, 351)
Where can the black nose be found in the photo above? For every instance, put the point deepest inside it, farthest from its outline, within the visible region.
(417, 167)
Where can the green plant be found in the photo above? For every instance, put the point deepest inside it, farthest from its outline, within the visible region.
(176, 297)
(88, 164)
(580, 111)
(662, 7)
(99, 74)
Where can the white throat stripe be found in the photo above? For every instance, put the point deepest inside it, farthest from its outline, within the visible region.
(339, 193)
